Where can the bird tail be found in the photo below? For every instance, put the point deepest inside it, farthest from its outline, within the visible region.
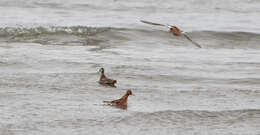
(107, 101)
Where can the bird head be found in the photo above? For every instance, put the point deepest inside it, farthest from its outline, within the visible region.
(101, 70)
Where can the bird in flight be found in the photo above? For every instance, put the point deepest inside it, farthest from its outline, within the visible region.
(174, 30)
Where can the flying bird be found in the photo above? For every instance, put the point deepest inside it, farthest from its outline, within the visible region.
(174, 30)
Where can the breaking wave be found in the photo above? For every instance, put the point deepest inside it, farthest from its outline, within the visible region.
(74, 30)
(84, 35)
(85, 30)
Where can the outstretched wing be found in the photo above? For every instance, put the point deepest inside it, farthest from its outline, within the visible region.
(185, 35)
(158, 24)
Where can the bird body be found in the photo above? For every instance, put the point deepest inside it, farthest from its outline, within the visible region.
(122, 101)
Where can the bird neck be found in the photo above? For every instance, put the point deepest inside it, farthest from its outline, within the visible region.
(102, 75)
(125, 96)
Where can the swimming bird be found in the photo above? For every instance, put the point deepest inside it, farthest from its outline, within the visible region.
(104, 80)
(122, 102)
(174, 30)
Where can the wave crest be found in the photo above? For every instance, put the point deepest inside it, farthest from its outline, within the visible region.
(75, 30)
(84, 35)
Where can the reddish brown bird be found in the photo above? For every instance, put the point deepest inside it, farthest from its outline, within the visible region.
(174, 30)
(104, 80)
(122, 102)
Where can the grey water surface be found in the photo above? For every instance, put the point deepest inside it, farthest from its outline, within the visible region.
(51, 51)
